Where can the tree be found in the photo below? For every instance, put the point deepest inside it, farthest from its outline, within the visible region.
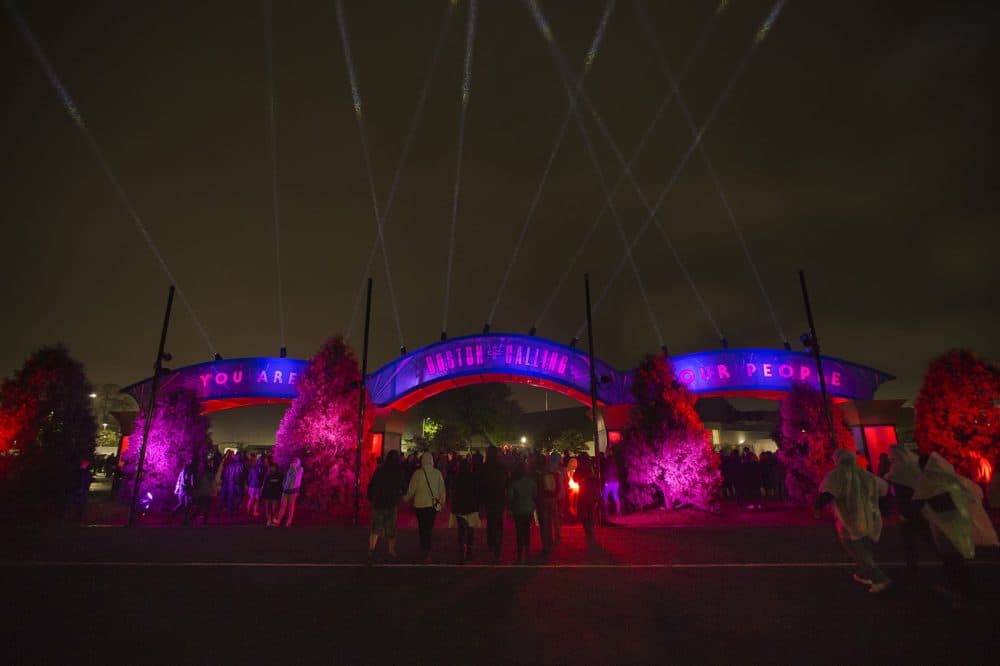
(957, 410)
(47, 426)
(178, 436)
(667, 451)
(320, 427)
(804, 444)
(573, 440)
(488, 411)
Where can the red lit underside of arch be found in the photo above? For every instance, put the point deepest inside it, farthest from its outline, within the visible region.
(429, 390)
(222, 404)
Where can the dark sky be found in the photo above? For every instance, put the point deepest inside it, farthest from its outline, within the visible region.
(859, 144)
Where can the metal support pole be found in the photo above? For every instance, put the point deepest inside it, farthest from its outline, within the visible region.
(361, 407)
(593, 392)
(157, 370)
(814, 345)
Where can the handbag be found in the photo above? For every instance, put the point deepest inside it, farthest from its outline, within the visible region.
(434, 498)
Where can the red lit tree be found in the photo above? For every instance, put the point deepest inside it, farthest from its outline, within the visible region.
(666, 450)
(957, 411)
(321, 426)
(47, 426)
(804, 444)
(178, 435)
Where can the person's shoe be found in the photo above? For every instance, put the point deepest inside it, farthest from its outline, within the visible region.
(879, 587)
(861, 579)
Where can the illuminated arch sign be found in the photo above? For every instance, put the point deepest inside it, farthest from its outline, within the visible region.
(760, 373)
(233, 383)
(770, 373)
(482, 359)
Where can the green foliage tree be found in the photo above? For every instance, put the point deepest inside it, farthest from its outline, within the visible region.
(573, 440)
(47, 427)
(488, 411)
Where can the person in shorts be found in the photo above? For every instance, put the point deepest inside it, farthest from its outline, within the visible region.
(384, 492)
(270, 493)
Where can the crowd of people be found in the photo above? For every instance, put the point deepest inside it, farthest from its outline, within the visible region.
(934, 504)
(749, 479)
(546, 490)
(243, 483)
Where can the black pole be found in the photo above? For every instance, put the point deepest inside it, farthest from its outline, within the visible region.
(814, 345)
(593, 387)
(361, 408)
(157, 369)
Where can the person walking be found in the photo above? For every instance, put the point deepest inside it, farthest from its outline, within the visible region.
(903, 475)
(384, 492)
(612, 485)
(464, 506)
(427, 492)
(854, 493)
(494, 489)
(290, 492)
(590, 494)
(549, 490)
(523, 492)
(255, 481)
(270, 493)
(184, 490)
(204, 490)
(953, 506)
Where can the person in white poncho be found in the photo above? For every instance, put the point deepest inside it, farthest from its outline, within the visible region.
(854, 493)
(904, 473)
(953, 505)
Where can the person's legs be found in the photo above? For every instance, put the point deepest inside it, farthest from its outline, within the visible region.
(292, 500)
(545, 524)
(390, 532)
(861, 551)
(494, 530)
(282, 508)
(425, 523)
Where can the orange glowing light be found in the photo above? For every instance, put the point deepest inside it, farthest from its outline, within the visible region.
(574, 487)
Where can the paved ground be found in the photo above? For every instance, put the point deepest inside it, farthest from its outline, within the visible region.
(302, 595)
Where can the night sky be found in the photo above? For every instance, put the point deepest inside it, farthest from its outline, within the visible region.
(859, 144)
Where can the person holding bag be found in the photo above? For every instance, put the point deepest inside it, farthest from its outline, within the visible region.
(427, 492)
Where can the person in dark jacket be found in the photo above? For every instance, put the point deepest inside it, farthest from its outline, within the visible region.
(384, 492)
(464, 506)
(590, 493)
(523, 493)
(270, 492)
(494, 489)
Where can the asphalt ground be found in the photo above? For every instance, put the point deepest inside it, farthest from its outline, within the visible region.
(222, 595)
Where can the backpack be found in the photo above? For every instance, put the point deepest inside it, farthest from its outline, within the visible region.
(550, 485)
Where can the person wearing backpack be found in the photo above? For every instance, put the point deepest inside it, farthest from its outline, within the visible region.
(549, 483)
(384, 492)
(427, 492)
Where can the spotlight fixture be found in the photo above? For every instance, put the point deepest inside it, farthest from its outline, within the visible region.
(444, 335)
(218, 356)
(788, 346)
(283, 353)
(534, 329)
(725, 343)
(573, 342)
(402, 350)
(486, 328)
(666, 352)
(167, 356)
(806, 340)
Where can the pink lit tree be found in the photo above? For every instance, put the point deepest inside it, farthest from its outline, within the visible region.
(320, 427)
(957, 413)
(178, 435)
(804, 443)
(667, 450)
